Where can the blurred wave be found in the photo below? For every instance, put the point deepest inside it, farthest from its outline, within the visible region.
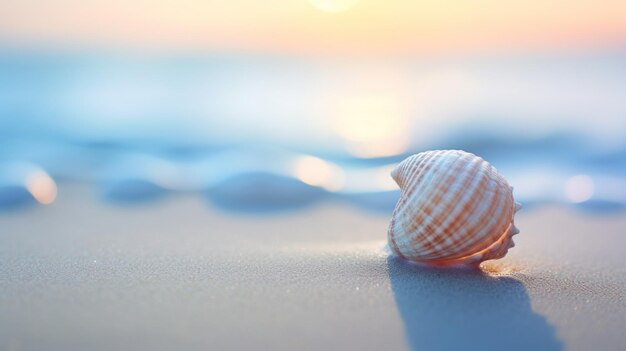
(260, 134)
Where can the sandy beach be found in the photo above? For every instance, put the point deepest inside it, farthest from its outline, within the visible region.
(221, 175)
(178, 274)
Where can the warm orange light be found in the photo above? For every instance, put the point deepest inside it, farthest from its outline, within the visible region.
(42, 187)
(382, 27)
(317, 172)
(372, 126)
(334, 6)
(499, 269)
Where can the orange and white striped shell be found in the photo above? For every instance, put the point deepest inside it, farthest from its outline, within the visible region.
(454, 209)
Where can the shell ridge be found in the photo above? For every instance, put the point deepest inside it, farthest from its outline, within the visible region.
(497, 249)
(506, 215)
(454, 208)
(411, 167)
(476, 257)
(413, 195)
(481, 242)
(419, 173)
(458, 234)
(436, 243)
(399, 173)
(465, 187)
(392, 240)
(457, 217)
(481, 208)
(420, 192)
(428, 176)
(439, 163)
(394, 227)
(412, 170)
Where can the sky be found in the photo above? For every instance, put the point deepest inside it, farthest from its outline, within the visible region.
(316, 27)
(369, 107)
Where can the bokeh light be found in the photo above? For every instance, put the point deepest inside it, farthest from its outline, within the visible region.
(149, 98)
(579, 188)
(372, 126)
(317, 172)
(42, 187)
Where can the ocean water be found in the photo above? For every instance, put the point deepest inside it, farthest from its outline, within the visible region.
(257, 134)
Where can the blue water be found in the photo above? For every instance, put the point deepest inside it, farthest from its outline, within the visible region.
(140, 128)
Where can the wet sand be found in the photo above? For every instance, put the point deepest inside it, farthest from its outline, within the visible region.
(178, 274)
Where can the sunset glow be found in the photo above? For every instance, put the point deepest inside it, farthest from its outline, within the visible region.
(334, 6)
(372, 126)
(316, 27)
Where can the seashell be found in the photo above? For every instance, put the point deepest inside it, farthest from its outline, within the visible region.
(454, 209)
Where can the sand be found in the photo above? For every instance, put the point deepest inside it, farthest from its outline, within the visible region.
(83, 274)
